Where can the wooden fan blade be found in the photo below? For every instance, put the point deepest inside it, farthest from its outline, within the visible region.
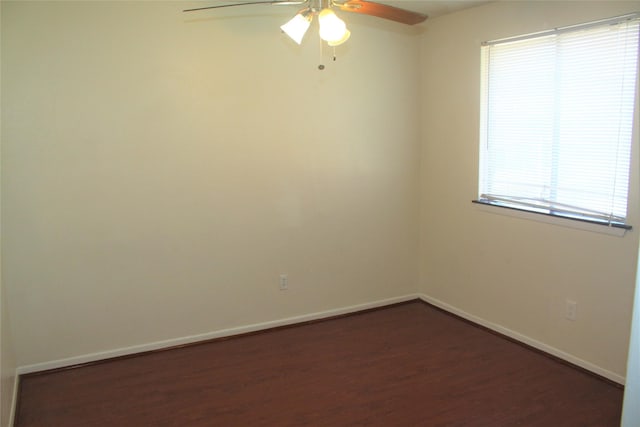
(382, 11)
(279, 2)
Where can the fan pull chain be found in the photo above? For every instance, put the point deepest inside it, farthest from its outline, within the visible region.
(333, 56)
(321, 66)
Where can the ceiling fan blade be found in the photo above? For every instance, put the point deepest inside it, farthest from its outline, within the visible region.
(278, 2)
(382, 11)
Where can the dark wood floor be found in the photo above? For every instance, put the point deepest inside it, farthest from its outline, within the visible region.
(406, 365)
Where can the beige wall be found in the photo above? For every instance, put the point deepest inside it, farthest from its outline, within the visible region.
(631, 409)
(7, 361)
(513, 272)
(162, 169)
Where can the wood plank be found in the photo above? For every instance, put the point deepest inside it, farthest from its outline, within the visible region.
(409, 364)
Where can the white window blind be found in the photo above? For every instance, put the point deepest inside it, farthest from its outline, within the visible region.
(557, 116)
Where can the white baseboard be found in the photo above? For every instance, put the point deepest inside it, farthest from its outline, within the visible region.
(93, 357)
(525, 339)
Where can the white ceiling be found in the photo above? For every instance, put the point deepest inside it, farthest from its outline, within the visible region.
(434, 8)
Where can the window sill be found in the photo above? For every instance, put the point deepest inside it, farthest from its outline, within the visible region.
(578, 224)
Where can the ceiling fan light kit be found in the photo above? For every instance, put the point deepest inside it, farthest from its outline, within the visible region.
(297, 27)
(333, 30)
(341, 40)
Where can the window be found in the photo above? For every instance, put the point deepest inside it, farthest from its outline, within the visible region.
(557, 116)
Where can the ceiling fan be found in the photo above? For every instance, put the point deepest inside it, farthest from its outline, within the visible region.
(333, 30)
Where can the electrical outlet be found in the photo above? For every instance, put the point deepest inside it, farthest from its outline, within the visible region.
(571, 309)
(284, 282)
